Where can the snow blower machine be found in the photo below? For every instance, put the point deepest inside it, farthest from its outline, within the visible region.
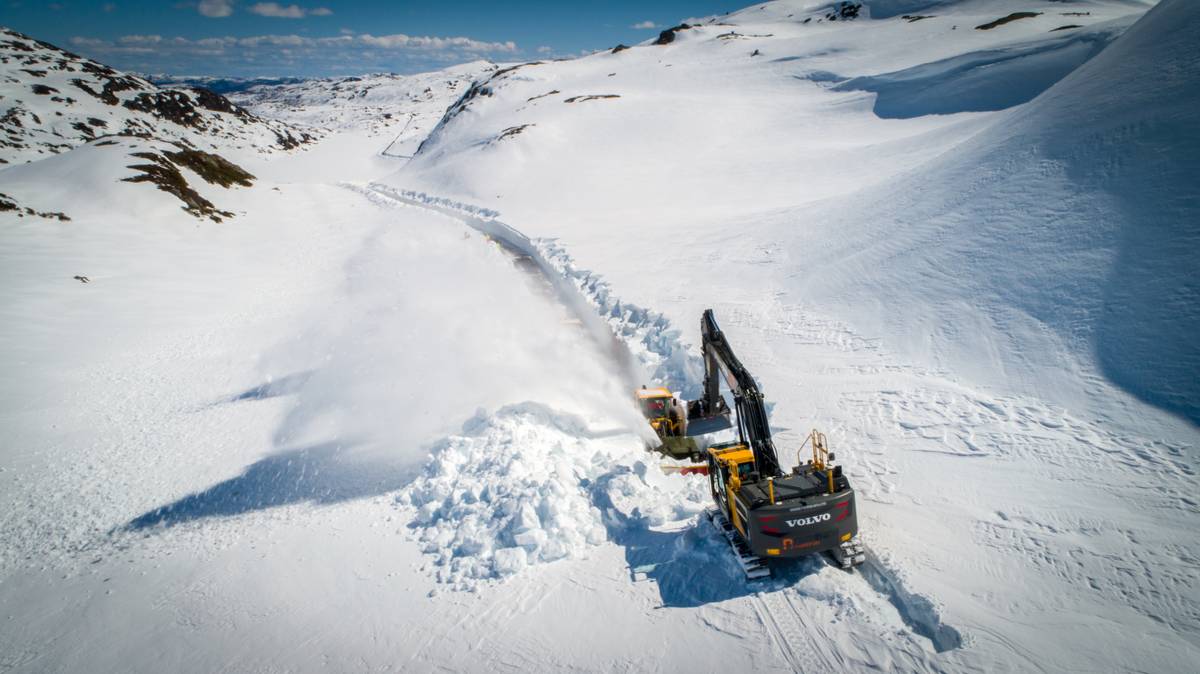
(667, 417)
(763, 512)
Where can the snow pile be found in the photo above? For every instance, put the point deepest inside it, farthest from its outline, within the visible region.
(523, 486)
(507, 493)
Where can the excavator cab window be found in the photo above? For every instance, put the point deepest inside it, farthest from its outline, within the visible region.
(744, 470)
(654, 408)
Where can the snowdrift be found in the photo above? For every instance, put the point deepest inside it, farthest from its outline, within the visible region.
(1068, 231)
(525, 486)
(863, 180)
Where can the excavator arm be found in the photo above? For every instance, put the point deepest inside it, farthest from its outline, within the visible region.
(753, 429)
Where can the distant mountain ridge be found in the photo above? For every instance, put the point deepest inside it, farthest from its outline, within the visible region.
(52, 100)
(220, 85)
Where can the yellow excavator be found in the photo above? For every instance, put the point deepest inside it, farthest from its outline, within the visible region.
(668, 417)
(764, 512)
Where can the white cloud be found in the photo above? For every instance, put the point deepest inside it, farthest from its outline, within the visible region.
(89, 43)
(140, 40)
(215, 8)
(278, 11)
(364, 42)
(402, 41)
(645, 25)
(293, 54)
(544, 50)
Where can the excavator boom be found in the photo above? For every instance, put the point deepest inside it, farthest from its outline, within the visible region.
(753, 428)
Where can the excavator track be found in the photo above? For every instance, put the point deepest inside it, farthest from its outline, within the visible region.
(849, 554)
(753, 566)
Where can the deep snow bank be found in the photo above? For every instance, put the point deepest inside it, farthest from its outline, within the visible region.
(525, 485)
(507, 492)
(521, 487)
(1060, 242)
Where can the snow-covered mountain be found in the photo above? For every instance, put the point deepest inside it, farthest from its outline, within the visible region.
(405, 106)
(381, 419)
(54, 100)
(798, 118)
(221, 85)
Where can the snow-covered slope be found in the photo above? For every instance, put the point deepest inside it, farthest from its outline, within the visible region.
(776, 115)
(154, 180)
(347, 431)
(404, 106)
(53, 100)
(1069, 230)
(906, 257)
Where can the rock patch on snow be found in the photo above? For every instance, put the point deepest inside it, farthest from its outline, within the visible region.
(55, 100)
(164, 167)
(7, 203)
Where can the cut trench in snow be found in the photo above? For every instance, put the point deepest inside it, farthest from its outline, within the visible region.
(643, 341)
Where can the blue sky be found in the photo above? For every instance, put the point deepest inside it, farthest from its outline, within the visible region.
(244, 38)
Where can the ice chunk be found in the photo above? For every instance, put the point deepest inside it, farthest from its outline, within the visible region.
(508, 561)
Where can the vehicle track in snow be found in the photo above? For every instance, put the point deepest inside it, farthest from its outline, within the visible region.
(791, 635)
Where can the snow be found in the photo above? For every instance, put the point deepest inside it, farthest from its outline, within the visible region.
(506, 493)
(382, 417)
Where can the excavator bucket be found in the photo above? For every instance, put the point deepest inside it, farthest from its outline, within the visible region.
(705, 424)
(703, 418)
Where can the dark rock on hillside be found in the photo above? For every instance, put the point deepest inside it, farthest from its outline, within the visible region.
(592, 97)
(37, 119)
(668, 35)
(164, 167)
(1007, 19)
(478, 89)
(8, 204)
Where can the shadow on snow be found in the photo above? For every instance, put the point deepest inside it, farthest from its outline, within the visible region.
(691, 567)
(283, 386)
(320, 474)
